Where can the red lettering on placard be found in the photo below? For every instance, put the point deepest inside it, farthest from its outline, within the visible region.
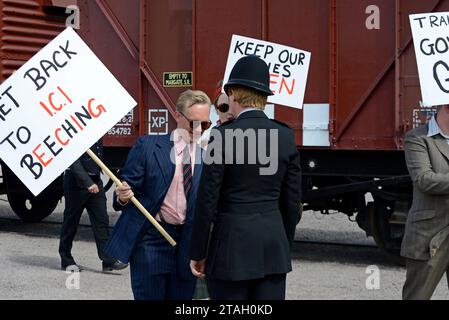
(77, 123)
(99, 109)
(283, 86)
(41, 156)
(64, 143)
(65, 94)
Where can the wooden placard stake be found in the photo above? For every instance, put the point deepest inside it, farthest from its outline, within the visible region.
(133, 199)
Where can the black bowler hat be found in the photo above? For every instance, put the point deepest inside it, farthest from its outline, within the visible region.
(251, 72)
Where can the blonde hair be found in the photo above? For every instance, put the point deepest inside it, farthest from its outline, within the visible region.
(189, 98)
(248, 97)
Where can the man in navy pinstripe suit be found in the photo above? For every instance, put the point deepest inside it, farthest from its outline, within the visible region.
(163, 173)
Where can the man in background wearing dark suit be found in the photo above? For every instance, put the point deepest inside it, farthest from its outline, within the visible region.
(83, 189)
(256, 203)
(163, 173)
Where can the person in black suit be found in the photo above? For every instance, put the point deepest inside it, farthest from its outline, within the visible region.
(83, 189)
(254, 204)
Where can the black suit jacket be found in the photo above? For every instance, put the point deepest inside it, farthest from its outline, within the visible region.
(85, 170)
(254, 216)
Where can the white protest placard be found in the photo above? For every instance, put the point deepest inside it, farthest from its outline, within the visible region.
(431, 38)
(55, 107)
(289, 68)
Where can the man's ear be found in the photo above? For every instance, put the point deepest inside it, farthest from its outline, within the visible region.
(177, 116)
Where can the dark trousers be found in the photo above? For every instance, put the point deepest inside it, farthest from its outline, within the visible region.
(271, 287)
(424, 276)
(154, 268)
(76, 200)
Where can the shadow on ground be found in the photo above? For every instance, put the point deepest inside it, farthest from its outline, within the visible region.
(347, 254)
(351, 255)
(43, 230)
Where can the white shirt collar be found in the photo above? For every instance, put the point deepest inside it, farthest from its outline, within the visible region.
(434, 129)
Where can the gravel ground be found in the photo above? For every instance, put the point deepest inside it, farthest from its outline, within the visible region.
(29, 262)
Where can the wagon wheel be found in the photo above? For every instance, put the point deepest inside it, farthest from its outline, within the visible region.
(24, 204)
(379, 213)
(30, 208)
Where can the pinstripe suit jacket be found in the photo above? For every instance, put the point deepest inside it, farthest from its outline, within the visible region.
(149, 171)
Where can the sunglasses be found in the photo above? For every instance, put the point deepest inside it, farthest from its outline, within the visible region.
(195, 123)
(224, 107)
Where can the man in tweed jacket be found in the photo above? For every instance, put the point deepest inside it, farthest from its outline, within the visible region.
(426, 240)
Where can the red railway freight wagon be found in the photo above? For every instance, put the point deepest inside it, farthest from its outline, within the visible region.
(362, 92)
